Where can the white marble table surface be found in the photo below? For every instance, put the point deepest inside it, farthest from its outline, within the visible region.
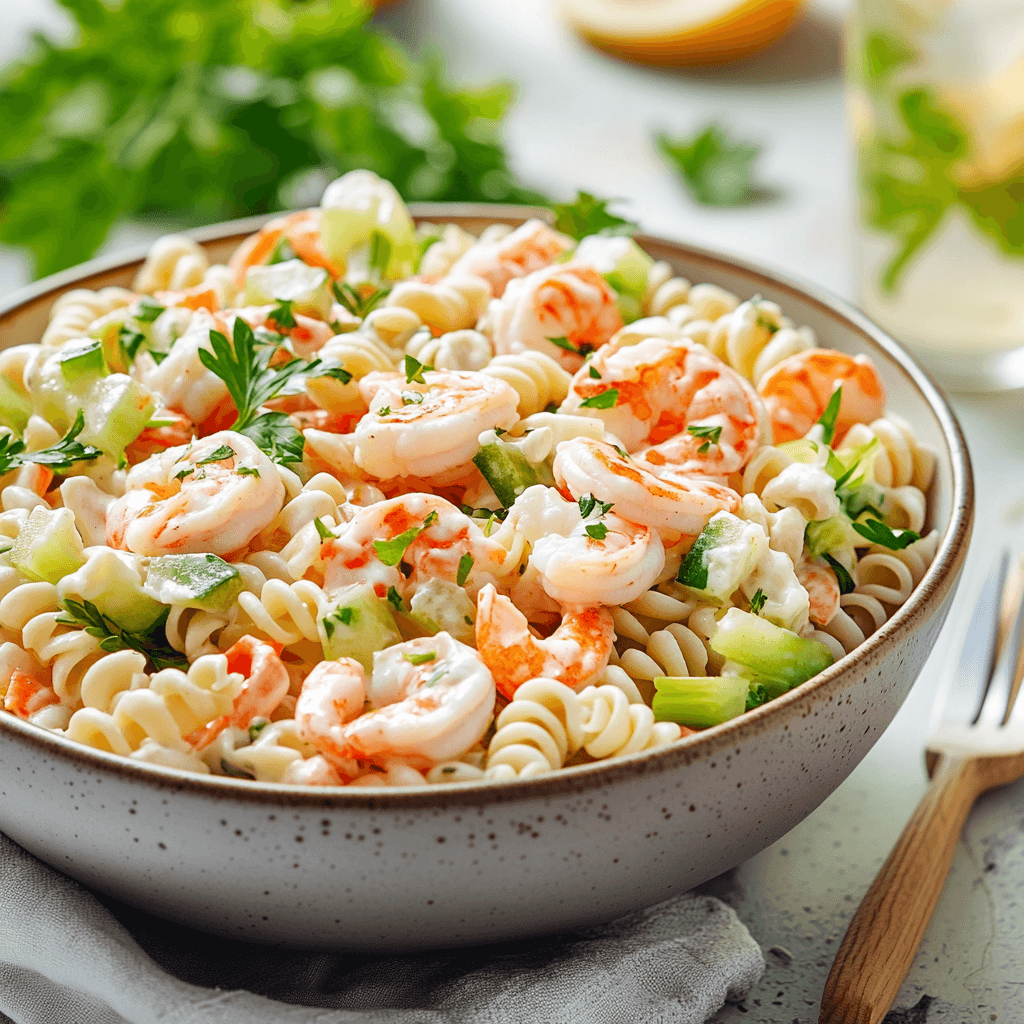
(583, 120)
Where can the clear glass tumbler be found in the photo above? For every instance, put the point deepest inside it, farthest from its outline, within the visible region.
(936, 101)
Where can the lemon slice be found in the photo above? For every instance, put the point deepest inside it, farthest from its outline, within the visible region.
(681, 31)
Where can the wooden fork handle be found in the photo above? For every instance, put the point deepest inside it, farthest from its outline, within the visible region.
(884, 935)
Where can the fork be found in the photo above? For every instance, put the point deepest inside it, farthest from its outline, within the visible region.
(976, 744)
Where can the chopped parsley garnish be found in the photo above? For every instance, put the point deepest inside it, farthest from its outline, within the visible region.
(283, 252)
(711, 435)
(584, 349)
(412, 398)
(336, 373)
(594, 372)
(468, 620)
(465, 565)
(282, 314)
(274, 434)
(604, 400)
(588, 503)
(845, 580)
(830, 416)
(255, 730)
(182, 473)
(60, 456)
(247, 471)
(384, 410)
(131, 342)
(588, 215)
(218, 455)
(112, 637)
(396, 599)
(875, 531)
(420, 659)
(148, 310)
(323, 531)
(414, 370)
(756, 696)
(597, 530)
(391, 552)
(437, 675)
(355, 301)
(757, 601)
(346, 616)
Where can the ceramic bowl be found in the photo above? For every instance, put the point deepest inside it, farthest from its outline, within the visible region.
(405, 869)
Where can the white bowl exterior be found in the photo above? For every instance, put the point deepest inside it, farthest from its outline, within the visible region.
(468, 864)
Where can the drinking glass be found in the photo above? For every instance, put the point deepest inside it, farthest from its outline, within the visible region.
(936, 102)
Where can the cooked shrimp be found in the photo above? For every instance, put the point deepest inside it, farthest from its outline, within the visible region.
(197, 498)
(158, 439)
(26, 695)
(569, 301)
(440, 536)
(674, 506)
(575, 654)
(424, 429)
(308, 334)
(265, 685)
(530, 247)
(300, 230)
(694, 413)
(822, 588)
(431, 699)
(798, 389)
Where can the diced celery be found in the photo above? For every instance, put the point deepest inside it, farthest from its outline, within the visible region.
(768, 654)
(722, 556)
(292, 281)
(110, 580)
(439, 605)
(83, 363)
(359, 624)
(117, 409)
(699, 701)
(506, 469)
(15, 406)
(355, 206)
(48, 547)
(194, 581)
(835, 534)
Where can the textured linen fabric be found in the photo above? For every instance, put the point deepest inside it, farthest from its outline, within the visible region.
(66, 957)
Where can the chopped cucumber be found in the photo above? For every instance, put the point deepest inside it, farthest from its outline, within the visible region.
(439, 605)
(15, 406)
(358, 205)
(305, 287)
(82, 364)
(506, 469)
(117, 409)
(620, 261)
(724, 555)
(358, 625)
(194, 581)
(835, 534)
(107, 330)
(768, 654)
(49, 547)
(699, 701)
(111, 581)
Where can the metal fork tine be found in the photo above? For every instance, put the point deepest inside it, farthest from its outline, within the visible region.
(996, 706)
(968, 685)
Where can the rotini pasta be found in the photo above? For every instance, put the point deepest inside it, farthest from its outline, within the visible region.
(453, 304)
(537, 379)
(73, 313)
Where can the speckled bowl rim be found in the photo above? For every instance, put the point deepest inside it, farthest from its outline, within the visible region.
(923, 602)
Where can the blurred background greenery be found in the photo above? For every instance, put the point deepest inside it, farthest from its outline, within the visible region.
(202, 110)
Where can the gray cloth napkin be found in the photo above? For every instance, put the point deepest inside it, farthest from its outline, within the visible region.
(65, 958)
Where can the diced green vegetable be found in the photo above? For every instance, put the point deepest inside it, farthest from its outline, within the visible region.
(83, 363)
(722, 557)
(305, 288)
(48, 547)
(623, 264)
(506, 469)
(358, 625)
(699, 701)
(767, 654)
(835, 534)
(110, 580)
(117, 409)
(15, 406)
(194, 581)
(442, 605)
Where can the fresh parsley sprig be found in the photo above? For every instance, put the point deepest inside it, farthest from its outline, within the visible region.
(603, 400)
(711, 436)
(588, 503)
(716, 170)
(112, 637)
(830, 416)
(359, 302)
(58, 457)
(875, 531)
(588, 215)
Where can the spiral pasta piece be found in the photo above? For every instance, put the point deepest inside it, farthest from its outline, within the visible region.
(285, 613)
(665, 290)
(614, 727)
(73, 313)
(174, 262)
(391, 326)
(454, 303)
(901, 459)
(442, 254)
(457, 350)
(536, 377)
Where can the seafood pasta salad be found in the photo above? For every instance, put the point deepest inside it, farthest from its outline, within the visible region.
(383, 504)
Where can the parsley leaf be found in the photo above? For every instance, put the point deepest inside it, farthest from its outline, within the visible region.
(414, 370)
(877, 532)
(247, 471)
(60, 456)
(255, 730)
(112, 637)
(588, 503)
(323, 531)
(218, 455)
(711, 433)
(716, 170)
(420, 659)
(148, 310)
(757, 601)
(843, 578)
(604, 400)
(597, 530)
(465, 566)
(831, 414)
(282, 315)
(756, 696)
(338, 373)
(391, 552)
(594, 372)
(274, 434)
(395, 598)
(357, 302)
(588, 215)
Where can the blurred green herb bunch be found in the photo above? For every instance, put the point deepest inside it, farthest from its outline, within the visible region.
(206, 109)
